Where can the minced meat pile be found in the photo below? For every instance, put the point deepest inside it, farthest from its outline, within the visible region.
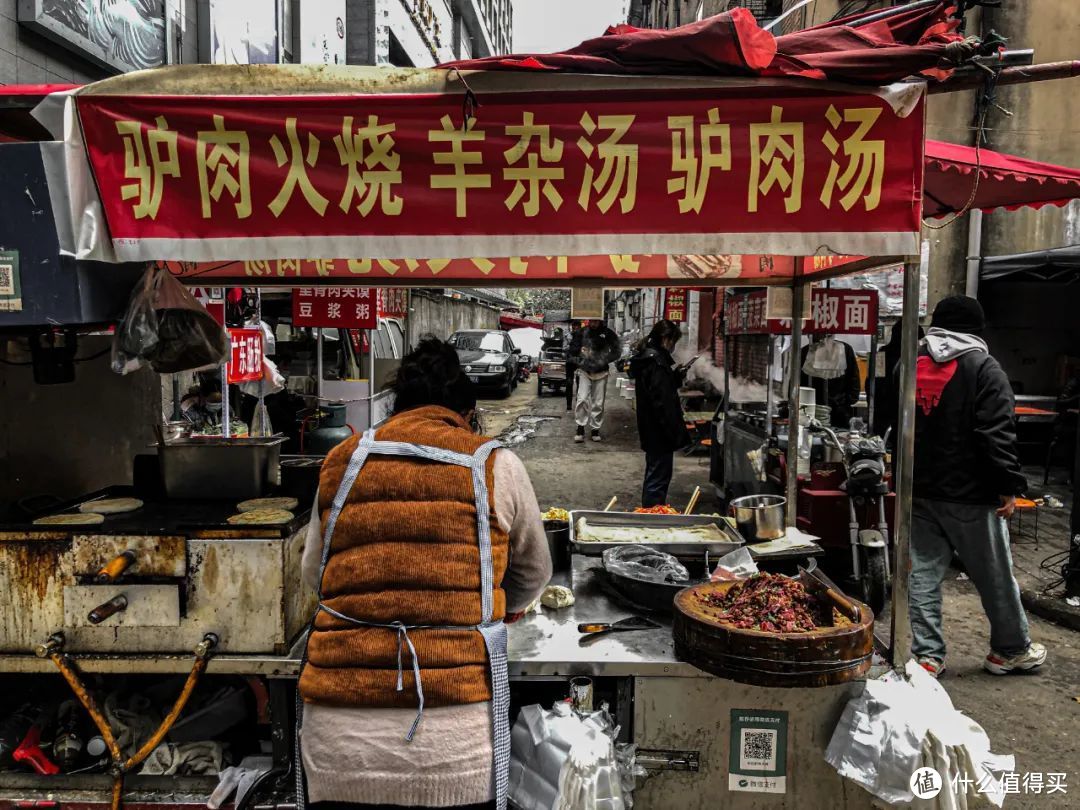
(769, 602)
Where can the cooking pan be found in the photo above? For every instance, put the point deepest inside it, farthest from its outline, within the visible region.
(658, 596)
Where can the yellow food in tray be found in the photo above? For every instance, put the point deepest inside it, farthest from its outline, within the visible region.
(555, 513)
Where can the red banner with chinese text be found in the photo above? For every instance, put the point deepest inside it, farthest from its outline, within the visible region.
(199, 178)
(675, 304)
(245, 356)
(833, 312)
(330, 307)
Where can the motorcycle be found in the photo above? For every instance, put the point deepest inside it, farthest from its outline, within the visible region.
(863, 458)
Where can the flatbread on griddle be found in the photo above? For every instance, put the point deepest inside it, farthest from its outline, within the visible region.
(71, 519)
(261, 517)
(259, 504)
(111, 506)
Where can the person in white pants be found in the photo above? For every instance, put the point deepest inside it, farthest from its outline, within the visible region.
(594, 348)
(589, 407)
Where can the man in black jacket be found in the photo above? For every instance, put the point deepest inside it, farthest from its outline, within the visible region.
(966, 479)
(661, 426)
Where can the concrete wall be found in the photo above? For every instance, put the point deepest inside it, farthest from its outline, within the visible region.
(432, 313)
(66, 440)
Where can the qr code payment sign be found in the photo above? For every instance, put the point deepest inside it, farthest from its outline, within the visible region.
(757, 749)
(7, 279)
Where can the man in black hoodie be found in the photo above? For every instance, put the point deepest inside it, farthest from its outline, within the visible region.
(966, 479)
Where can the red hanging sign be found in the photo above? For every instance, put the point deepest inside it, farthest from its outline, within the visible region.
(330, 307)
(245, 355)
(675, 301)
(393, 302)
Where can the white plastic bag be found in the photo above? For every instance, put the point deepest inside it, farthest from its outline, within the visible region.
(897, 726)
(737, 564)
(564, 761)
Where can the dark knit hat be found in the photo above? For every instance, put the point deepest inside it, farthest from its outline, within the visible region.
(959, 313)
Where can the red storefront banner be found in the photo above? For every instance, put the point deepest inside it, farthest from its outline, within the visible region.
(833, 312)
(330, 307)
(675, 304)
(245, 355)
(211, 178)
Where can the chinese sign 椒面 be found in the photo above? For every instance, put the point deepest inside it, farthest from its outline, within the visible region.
(832, 312)
(205, 178)
(341, 307)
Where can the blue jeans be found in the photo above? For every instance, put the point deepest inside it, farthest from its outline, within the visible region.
(658, 470)
(981, 539)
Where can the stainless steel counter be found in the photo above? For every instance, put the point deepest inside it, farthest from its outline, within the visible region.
(540, 645)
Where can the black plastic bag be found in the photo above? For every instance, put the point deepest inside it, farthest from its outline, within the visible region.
(166, 327)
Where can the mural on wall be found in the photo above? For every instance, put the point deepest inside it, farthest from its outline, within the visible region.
(121, 35)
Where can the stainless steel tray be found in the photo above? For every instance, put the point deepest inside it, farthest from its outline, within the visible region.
(637, 520)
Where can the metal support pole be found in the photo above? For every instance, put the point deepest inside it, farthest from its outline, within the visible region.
(974, 251)
(371, 378)
(900, 637)
(226, 417)
(318, 366)
(795, 377)
(770, 395)
(871, 381)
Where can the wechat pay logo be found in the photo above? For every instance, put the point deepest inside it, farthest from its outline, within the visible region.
(926, 783)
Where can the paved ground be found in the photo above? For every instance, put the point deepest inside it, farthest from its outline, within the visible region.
(1035, 717)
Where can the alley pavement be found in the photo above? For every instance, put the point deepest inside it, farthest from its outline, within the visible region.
(1034, 716)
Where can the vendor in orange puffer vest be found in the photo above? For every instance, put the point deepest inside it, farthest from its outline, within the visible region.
(402, 594)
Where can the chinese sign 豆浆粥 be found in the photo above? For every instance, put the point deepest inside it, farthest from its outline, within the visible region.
(341, 307)
(245, 355)
(202, 179)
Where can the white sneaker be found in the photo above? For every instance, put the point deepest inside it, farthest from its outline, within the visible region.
(1032, 658)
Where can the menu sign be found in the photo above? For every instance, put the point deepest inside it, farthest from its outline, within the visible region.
(330, 307)
(675, 304)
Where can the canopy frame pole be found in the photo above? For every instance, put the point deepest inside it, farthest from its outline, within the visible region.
(900, 635)
(798, 290)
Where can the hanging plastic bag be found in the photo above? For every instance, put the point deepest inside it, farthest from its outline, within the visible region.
(165, 327)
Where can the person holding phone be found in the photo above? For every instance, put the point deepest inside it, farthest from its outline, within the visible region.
(661, 426)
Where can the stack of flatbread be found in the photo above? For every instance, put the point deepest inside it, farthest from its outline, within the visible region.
(91, 513)
(264, 512)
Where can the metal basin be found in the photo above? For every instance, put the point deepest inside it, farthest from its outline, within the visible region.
(759, 517)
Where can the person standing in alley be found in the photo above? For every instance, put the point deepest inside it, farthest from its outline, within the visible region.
(571, 369)
(661, 426)
(592, 351)
(966, 479)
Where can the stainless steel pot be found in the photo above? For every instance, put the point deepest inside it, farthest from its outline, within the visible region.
(759, 517)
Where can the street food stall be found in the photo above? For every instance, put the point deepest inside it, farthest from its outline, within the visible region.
(223, 164)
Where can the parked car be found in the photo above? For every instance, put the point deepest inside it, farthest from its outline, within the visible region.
(551, 370)
(489, 357)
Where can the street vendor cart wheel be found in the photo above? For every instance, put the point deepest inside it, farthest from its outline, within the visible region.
(874, 586)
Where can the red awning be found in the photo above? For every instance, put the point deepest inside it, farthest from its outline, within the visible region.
(863, 49)
(1005, 181)
(508, 320)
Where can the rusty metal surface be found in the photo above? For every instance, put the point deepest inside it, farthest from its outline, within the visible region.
(155, 556)
(32, 578)
(147, 606)
(248, 591)
(695, 714)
